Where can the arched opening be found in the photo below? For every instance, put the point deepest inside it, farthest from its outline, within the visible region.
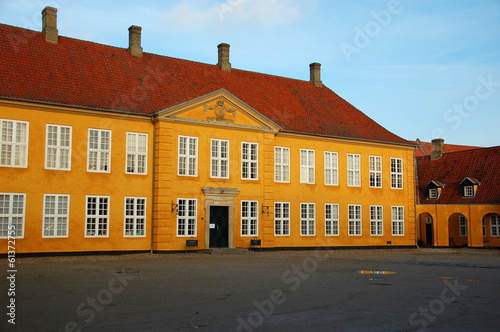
(426, 230)
(491, 230)
(458, 230)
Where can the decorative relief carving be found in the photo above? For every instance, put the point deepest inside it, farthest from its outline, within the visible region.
(220, 111)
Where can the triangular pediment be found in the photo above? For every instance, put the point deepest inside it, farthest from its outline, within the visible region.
(219, 108)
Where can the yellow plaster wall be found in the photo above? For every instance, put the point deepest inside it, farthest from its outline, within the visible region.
(35, 180)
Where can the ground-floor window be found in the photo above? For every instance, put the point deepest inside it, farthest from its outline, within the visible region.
(495, 225)
(97, 219)
(281, 218)
(331, 219)
(462, 223)
(12, 210)
(398, 220)
(186, 217)
(55, 215)
(249, 218)
(307, 219)
(354, 219)
(135, 216)
(376, 218)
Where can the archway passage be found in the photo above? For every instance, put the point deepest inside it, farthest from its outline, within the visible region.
(458, 230)
(426, 228)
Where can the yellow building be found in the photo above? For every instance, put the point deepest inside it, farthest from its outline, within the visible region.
(459, 197)
(111, 149)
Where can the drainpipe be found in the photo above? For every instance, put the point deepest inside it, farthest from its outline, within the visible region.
(153, 186)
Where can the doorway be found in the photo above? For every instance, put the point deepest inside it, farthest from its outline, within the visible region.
(219, 226)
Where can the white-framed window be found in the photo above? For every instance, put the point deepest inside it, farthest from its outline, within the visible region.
(281, 218)
(306, 166)
(249, 218)
(495, 225)
(12, 215)
(462, 224)
(396, 173)
(468, 191)
(135, 217)
(99, 151)
(331, 168)
(375, 172)
(14, 143)
(186, 216)
(58, 147)
(331, 219)
(97, 216)
(376, 220)
(137, 153)
(353, 170)
(219, 152)
(398, 220)
(354, 219)
(307, 219)
(281, 164)
(249, 161)
(188, 156)
(433, 193)
(55, 215)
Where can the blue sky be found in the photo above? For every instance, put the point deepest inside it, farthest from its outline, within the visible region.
(421, 68)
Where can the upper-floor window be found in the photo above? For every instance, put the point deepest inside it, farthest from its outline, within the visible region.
(375, 171)
(99, 152)
(188, 156)
(307, 166)
(353, 170)
(249, 161)
(281, 164)
(137, 153)
(331, 219)
(12, 213)
(13, 143)
(58, 147)
(396, 173)
(219, 152)
(135, 217)
(186, 216)
(249, 218)
(55, 215)
(331, 168)
(433, 193)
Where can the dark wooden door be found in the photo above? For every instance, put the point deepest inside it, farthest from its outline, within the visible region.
(219, 226)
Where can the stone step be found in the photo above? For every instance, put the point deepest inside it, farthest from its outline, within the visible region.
(229, 251)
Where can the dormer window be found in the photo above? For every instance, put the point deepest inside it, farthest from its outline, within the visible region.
(434, 189)
(469, 187)
(468, 191)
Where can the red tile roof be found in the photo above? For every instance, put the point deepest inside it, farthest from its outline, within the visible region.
(425, 148)
(452, 168)
(85, 74)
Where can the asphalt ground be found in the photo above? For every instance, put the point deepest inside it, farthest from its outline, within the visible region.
(334, 290)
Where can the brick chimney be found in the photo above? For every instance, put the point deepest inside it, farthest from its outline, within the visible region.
(49, 25)
(223, 62)
(134, 40)
(437, 148)
(315, 74)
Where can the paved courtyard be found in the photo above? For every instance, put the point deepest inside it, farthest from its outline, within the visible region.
(339, 290)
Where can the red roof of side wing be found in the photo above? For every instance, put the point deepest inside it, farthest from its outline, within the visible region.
(451, 169)
(85, 74)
